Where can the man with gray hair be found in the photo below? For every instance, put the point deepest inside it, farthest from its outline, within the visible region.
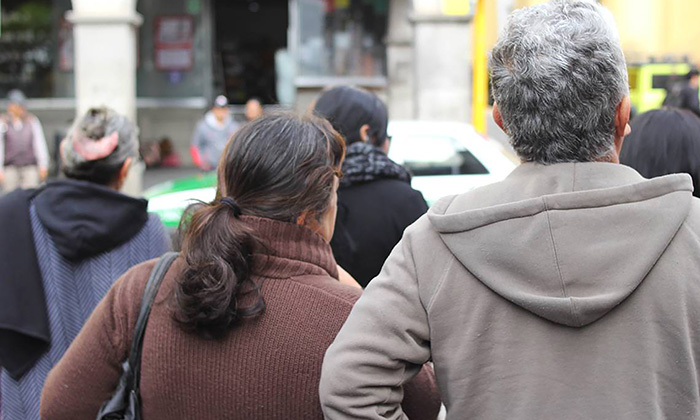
(570, 290)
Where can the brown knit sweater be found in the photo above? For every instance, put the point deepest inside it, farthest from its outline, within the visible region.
(267, 368)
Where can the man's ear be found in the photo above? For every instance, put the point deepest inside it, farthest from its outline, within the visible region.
(497, 117)
(622, 126)
(622, 117)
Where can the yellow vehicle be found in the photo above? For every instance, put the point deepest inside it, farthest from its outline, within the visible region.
(649, 81)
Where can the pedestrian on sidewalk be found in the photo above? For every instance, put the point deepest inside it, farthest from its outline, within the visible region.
(212, 134)
(569, 290)
(253, 109)
(684, 94)
(244, 316)
(24, 158)
(61, 249)
(375, 200)
(664, 141)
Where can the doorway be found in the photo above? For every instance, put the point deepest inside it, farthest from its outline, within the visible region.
(247, 35)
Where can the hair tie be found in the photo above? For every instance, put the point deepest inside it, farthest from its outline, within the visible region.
(231, 203)
(94, 149)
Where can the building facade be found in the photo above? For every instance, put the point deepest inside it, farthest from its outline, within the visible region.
(162, 61)
(660, 30)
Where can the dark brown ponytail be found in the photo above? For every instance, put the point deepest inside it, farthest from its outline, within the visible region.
(276, 167)
(218, 250)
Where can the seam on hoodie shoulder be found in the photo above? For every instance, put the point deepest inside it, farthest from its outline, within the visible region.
(409, 250)
(574, 313)
(691, 231)
(449, 205)
(440, 282)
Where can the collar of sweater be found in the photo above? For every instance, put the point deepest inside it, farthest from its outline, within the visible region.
(290, 250)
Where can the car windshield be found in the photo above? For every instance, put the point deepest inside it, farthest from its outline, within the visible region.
(427, 155)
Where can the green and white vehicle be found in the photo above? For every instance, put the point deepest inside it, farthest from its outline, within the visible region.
(445, 158)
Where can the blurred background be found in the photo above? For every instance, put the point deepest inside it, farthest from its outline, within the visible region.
(163, 61)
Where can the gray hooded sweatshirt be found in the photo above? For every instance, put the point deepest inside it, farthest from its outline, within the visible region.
(211, 137)
(569, 291)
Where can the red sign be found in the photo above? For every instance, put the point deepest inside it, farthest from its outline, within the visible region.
(174, 43)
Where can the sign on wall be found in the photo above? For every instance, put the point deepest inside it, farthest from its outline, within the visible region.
(174, 43)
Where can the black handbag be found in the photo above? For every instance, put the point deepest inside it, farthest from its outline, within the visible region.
(125, 403)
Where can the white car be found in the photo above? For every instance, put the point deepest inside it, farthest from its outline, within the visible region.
(448, 158)
(445, 158)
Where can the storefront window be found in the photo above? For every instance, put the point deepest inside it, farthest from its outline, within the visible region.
(247, 37)
(29, 53)
(174, 50)
(341, 38)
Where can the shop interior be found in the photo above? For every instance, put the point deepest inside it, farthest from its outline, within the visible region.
(248, 33)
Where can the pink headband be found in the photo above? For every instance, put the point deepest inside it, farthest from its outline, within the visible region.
(90, 149)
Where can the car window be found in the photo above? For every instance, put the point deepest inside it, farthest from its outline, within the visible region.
(434, 155)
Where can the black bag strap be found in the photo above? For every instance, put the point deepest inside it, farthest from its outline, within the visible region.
(149, 295)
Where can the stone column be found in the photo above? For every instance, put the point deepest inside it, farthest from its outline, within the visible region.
(399, 51)
(104, 33)
(105, 54)
(442, 55)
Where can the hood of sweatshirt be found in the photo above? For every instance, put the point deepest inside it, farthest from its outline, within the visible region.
(567, 242)
(85, 219)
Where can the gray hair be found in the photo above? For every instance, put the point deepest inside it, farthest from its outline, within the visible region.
(87, 151)
(558, 74)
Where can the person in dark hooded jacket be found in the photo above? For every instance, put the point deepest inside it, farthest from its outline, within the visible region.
(684, 95)
(663, 142)
(375, 200)
(62, 247)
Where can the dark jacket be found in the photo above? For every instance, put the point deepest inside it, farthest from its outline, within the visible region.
(61, 249)
(683, 96)
(664, 142)
(691, 101)
(375, 204)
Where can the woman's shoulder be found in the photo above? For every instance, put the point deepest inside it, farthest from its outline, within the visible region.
(132, 283)
(330, 289)
(127, 292)
(155, 223)
(390, 186)
(130, 286)
(157, 235)
(393, 194)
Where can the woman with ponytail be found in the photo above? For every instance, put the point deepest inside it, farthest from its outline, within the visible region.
(243, 318)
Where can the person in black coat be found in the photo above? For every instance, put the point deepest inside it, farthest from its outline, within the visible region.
(684, 95)
(664, 141)
(375, 200)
